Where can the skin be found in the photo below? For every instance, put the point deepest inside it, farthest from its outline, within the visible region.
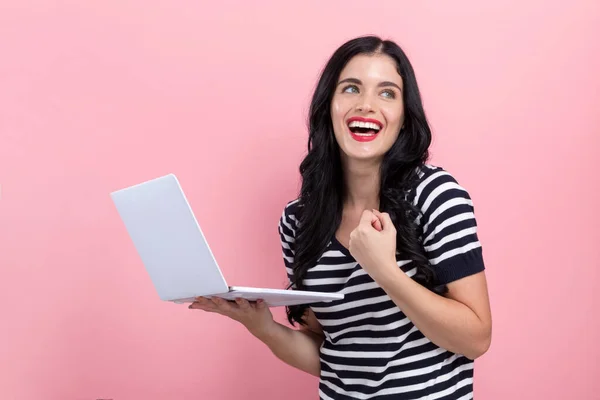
(370, 86)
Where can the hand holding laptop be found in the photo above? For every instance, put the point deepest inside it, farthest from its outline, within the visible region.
(255, 316)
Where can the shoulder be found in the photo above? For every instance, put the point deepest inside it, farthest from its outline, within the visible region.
(436, 186)
(448, 224)
(287, 232)
(288, 221)
(290, 212)
(444, 205)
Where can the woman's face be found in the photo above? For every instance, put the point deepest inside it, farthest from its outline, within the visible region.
(367, 110)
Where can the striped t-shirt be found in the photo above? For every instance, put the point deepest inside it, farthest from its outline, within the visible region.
(371, 349)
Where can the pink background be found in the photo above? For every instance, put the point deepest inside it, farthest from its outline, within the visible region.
(97, 95)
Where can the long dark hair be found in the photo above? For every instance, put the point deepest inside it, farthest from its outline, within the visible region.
(319, 208)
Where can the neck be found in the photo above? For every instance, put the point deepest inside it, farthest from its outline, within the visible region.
(362, 185)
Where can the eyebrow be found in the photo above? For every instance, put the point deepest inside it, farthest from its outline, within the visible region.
(358, 82)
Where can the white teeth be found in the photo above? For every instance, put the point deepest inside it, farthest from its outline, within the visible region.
(366, 125)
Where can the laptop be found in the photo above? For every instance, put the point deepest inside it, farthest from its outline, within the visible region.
(175, 253)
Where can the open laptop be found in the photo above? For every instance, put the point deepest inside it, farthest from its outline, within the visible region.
(174, 251)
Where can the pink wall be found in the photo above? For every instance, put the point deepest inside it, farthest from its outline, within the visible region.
(98, 95)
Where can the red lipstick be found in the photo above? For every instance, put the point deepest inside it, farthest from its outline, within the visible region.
(360, 134)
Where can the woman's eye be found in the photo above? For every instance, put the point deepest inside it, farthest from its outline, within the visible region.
(389, 94)
(350, 89)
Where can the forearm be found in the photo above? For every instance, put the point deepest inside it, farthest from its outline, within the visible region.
(446, 322)
(298, 348)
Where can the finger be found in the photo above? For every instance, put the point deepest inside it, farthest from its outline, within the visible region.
(386, 220)
(243, 303)
(200, 305)
(199, 302)
(376, 223)
(366, 218)
(222, 305)
(260, 304)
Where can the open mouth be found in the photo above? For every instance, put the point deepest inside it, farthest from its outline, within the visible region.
(363, 129)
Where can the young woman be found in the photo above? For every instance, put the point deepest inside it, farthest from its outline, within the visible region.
(396, 235)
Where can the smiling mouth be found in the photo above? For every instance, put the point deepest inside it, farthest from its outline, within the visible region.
(363, 129)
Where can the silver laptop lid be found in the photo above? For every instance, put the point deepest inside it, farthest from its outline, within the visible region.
(168, 239)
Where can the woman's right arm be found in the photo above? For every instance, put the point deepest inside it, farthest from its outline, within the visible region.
(297, 348)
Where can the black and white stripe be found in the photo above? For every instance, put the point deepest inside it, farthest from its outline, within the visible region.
(371, 349)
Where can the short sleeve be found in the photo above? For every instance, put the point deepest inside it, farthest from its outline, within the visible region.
(287, 233)
(449, 226)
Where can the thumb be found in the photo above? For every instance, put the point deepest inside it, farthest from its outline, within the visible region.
(386, 221)
(376, 222)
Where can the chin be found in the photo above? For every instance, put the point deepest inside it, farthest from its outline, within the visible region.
(362, 151)
(362, 154)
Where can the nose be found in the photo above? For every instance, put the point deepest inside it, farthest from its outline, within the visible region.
(363, 108)
(364, 104)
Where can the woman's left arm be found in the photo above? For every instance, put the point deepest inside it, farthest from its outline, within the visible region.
(461, 320)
